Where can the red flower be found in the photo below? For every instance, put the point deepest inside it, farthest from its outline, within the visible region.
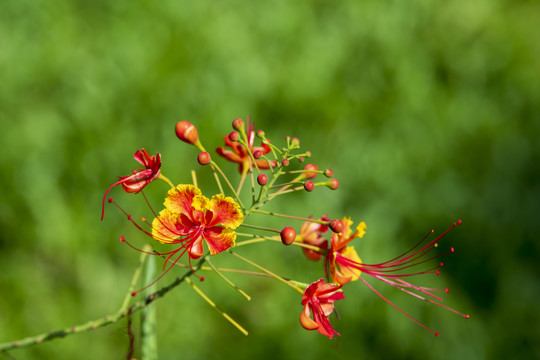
(318, 299)
(189, 218)
(240, 155)
(141, 177)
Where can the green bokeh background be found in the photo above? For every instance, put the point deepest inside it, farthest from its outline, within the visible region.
(427, 112)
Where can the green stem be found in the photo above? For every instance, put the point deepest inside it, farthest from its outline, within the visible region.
(101, 322)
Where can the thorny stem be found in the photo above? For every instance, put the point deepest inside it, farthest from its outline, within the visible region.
(103, 321)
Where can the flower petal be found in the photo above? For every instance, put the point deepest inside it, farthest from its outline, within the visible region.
(218, 239)
(166, 228)
(225, 212)
(350, 271)
(306, 321)
(180, 198)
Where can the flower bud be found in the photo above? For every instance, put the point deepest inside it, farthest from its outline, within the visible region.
(204, 158)
(336, 225)
(260, 133)
(257, 154)
(238, 124)
(329, 173)
(234, 136)
(288, 235)
(285, 162)
(295, 142)
(187, 132)
(309, 185)
(311, 175)
(334, 184)
(262, 179)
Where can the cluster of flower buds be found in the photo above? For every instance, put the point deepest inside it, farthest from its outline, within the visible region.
(191, 223)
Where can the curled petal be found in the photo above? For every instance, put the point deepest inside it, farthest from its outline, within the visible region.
(306, 321)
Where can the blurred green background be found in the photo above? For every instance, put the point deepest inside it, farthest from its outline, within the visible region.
(426, 111)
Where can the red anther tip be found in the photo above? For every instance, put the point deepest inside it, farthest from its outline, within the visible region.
(452, 249)
(129, 217)
(122, 239)
(459, 222)
(309, 185)
(442, 264)
(262, 179)
(467, 316)
(202, 278)
(134, 293)
(437, 333)
(110, 199)
(437, 272)
(447, 290)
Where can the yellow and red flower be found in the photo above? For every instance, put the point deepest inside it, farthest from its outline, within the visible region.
(140, 177)
(239, 154)
(189, 219)
(318, 300)
(343, 261)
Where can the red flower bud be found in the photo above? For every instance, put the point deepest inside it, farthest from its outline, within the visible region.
(204, 158)
(238, 124)
(311, 175)
(285, 162)
(336, 225)
(288, 235)
(257, 154)
(334, 184)
(262, 179)
(234, 136)
(187, 132)
(309, 185)
(329, 173)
